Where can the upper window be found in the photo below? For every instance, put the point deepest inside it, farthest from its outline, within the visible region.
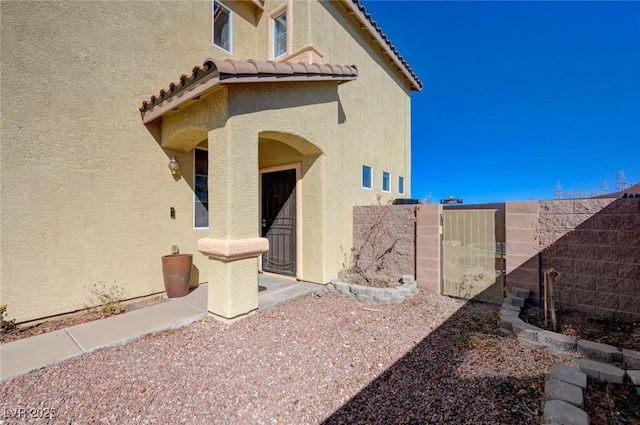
(201, 188)
(221, 26)
(367, 177)
(386, 184)
(279, 34)
(401, 185)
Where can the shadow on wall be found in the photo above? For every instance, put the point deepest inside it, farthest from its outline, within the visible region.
(430, 383)
(594, 244)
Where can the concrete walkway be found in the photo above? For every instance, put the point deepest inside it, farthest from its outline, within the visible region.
(276, 290)
(25, 355)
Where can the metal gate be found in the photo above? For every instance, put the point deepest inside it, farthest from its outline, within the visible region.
(279, 221)
(473, 249)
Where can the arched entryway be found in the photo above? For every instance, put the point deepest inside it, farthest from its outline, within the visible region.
(284, 161)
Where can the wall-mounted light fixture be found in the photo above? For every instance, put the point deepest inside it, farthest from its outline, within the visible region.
(174, 166)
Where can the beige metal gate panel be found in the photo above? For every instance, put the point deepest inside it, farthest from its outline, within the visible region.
(473, 254)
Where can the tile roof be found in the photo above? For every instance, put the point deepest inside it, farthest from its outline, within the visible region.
(372, 26)
(218, 71)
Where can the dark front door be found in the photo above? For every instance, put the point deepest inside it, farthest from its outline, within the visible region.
(279, 221)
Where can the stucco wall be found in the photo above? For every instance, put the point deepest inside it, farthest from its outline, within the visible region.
(374, 130)
(86, 192)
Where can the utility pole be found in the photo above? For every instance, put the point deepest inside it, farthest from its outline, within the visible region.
(621, 184)
(559, 194)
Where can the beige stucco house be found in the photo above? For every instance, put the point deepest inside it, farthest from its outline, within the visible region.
(282, 116)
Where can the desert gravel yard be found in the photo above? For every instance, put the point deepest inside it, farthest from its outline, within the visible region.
(316, 360)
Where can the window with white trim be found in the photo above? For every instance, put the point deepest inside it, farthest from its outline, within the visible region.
(222, 26)
(386, 182)
(200, 188)
(367, 177)
(401, 185)
(279, 31)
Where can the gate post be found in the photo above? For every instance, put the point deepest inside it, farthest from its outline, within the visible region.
(522, 221)
(429, 247)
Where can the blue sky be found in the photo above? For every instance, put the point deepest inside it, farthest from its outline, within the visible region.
(519, 95)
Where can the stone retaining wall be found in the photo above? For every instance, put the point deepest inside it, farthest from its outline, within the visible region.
(563, 399)
(395, 295)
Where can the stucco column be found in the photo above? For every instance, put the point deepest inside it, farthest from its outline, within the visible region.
(233, 245)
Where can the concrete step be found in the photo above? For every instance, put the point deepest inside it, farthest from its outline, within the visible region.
(520, 292)
(600, 371)
(517, 301)
(512, 307)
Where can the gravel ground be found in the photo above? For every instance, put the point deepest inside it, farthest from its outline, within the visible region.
(621, 332)
(329, 360)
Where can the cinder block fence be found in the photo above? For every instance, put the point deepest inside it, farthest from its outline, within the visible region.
(594, 244)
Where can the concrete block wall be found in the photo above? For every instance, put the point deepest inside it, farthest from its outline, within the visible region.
(593, 243)
(596, 249)
(522, 265)
(428, 248)
(418, 247)
(395, 232)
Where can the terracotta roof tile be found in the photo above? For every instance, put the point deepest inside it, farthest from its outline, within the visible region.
(363, 12)
(250, 71)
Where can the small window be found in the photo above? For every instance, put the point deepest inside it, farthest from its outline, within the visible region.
(401, 185)
(367, 177)
(221, 27)
(201, 188)
(280, 35)
(386, 182)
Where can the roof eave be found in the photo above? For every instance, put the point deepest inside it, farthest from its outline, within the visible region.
(352, 9)
(173, 102)
(258, 3)
(217, 78)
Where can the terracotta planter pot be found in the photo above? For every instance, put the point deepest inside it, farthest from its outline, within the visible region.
(176, 269)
